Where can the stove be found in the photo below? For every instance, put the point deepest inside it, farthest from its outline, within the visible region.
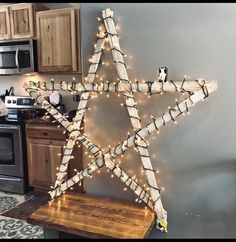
(22, 108)
(13, 150)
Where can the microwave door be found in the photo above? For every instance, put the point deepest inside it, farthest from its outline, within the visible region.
(15, 60)
(8, 61)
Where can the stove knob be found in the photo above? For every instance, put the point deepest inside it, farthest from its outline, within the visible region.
(14, 101)
(8, 101)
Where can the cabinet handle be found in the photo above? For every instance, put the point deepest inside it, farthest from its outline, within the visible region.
(46, 161)
(45, 133)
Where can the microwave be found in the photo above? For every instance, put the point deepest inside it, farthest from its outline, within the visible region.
(18, 57)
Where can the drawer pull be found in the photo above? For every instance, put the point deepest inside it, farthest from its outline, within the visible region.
(45, 133)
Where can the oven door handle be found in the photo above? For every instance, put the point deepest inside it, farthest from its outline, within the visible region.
(17, 59)
(9, 178)
(4, 127)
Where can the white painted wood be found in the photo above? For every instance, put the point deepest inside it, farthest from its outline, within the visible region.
(198, 90)
(130, 102)
(156, 88)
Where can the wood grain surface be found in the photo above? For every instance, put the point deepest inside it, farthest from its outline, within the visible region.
(94, 217)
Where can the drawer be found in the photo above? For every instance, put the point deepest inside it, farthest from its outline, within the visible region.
(46, 132)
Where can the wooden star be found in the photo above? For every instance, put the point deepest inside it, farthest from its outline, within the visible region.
(197, 90)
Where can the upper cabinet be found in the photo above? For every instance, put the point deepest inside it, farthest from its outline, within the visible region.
(4, 23)
(18, 20)
(58, 40)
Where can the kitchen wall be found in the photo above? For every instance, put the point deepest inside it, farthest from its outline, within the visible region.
(17, 81)
(197, 157)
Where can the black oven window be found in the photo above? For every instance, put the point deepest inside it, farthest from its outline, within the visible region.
(6, 149)
(7, 59)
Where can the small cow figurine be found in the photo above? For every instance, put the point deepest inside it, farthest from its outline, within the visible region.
(162, 71)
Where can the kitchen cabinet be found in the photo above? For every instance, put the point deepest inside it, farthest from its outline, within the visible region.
(18, 20)
(44, 144)
(4, 24)
(58, 41)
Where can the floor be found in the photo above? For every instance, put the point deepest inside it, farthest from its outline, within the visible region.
(14, 210)
(25, 209)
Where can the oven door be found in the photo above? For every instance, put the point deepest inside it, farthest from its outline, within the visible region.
(11, 158)
(16, 60)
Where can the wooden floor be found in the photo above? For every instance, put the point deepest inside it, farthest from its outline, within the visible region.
(24, 210)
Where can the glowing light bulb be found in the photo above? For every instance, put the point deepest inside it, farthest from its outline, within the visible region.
(125, 189)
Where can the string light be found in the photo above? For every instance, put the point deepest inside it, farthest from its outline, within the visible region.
(137, 137)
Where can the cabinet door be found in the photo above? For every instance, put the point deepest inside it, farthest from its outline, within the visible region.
(5, 32)
(56, 37)
(39, 166)
(55, 149)
(43, 159)
(21, 16)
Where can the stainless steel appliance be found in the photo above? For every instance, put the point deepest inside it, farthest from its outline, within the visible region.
(13, 158)
(21, 107)
(13, 150)
(18, 56)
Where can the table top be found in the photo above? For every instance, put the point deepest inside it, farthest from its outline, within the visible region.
(94, 217)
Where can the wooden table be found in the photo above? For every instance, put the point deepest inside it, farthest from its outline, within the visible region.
(93, 217)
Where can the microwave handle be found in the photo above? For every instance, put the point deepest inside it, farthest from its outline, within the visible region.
(16, 59)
